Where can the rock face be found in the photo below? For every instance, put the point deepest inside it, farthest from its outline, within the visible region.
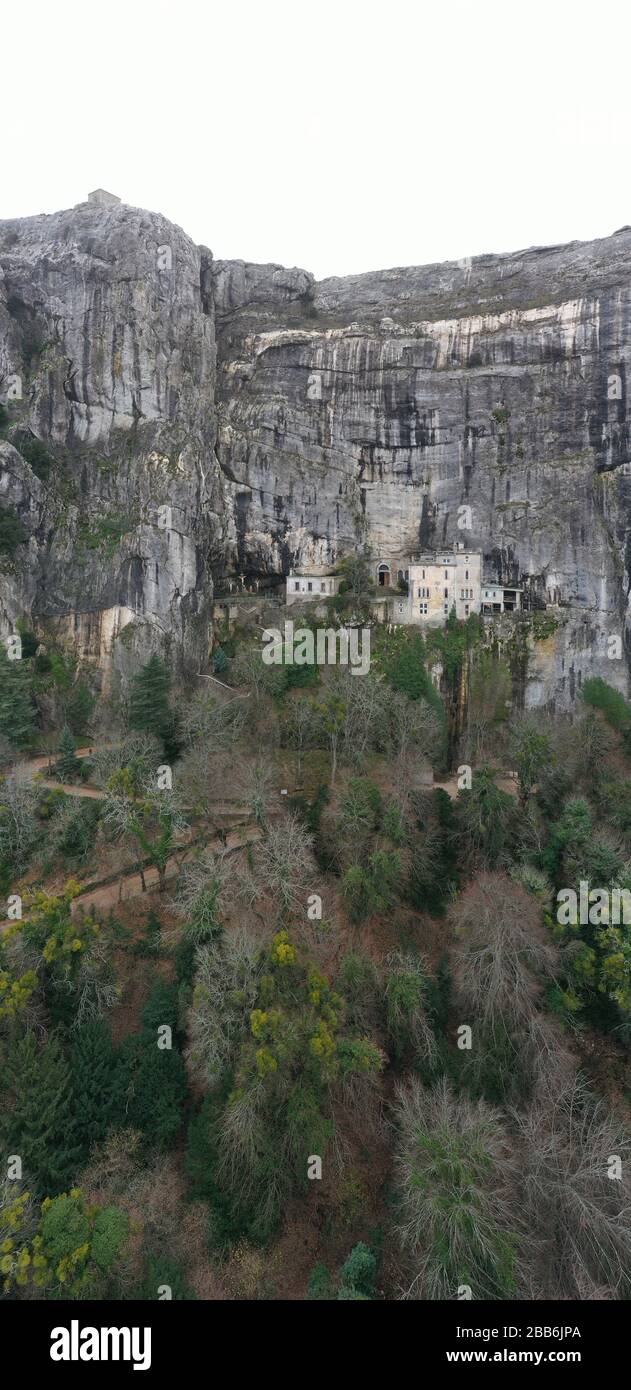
(484, 401)
(107, 357)
(182, 420)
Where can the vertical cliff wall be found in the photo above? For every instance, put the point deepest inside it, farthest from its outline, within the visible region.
(483, 400)
(169, 421)
(107, 360)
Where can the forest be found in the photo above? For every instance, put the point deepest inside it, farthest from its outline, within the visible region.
(288, 1009)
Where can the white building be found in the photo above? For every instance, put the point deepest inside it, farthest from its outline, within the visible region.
(101, 196)
(497, 598)
(438, 583)
(310, 585)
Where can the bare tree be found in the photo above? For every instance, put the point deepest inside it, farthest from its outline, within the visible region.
(138, 752)
(154, 818)
(411, 726)
(577, 1189)
(205, 778)
(351, 714)
(300, 728)
(284, 864)
(95, 988)
(18, 824)
(248, 668)
(457, 1183)
(546, 1056)
(226, 984)
(502, 950)
(366, 700)
(255, 782)
(202, 890)
(243, 1140)
(214, 724)
(591, 742)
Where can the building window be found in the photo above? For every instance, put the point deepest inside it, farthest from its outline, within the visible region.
(422, 574)
(447, 608)
(323, 587)
(446, 574)
(446, 590)
(466, 610)
(466, 574)
(422, 608)
(309, 587)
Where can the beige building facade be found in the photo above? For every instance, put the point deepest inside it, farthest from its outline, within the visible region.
(438, 583)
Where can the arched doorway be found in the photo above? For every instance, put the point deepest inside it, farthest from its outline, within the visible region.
(384, 576)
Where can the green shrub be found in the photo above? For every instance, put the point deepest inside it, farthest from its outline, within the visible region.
(110, 1231)
(320, 1284)
(65, 1227)
(29, 640)
(37, 455)
(12, 532)
(359, 1270)
(600, 695)
(160, 1272)
(79, 834)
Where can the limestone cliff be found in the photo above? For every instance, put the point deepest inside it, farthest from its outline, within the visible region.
(177, 420)
(392, 408)
(107, 358)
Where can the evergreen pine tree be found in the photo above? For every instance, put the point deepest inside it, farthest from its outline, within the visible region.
(78, 708)
(67, 764)
(94, 1079)
(220, 661)
(17, 712)
(37, 1114)
(149, 709)
(160, 1007)
(153, 1085)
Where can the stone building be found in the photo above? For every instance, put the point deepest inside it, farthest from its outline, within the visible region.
(496, 598)
(435, 584)
(311, 584)
(101, 196)
(438, 583)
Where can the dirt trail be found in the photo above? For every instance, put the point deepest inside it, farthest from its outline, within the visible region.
(104, 896)
(130, 885)
(30, 767)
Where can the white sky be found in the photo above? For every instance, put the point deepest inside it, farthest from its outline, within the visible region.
(339, 136)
